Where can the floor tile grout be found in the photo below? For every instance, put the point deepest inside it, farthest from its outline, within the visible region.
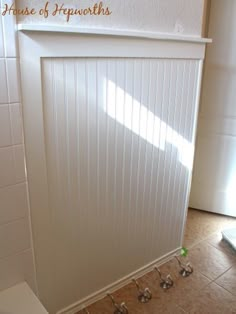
(178, 300)
(225, 288)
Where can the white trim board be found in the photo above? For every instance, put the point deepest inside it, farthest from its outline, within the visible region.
(111, 32)
(92, 45)
(74, 308)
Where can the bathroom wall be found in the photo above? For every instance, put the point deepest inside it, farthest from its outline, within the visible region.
(167, 16)
(214, 179)
(16, 256)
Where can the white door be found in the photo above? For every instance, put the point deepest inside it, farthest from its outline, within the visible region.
(214, 177)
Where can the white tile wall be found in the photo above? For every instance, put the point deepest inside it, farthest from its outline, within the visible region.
(17, 268)
(3, 80)
(19, 156)
(13, 80)
(14, 237)
(9, 33)
(11, 125)
(13, 202)
(16, 253)
(16, 123)
(12, 165)
(5, 134)
(7, 166)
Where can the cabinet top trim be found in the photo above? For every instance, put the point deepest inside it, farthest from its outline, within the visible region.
(112, 32)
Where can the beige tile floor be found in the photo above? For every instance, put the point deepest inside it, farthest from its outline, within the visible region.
(211, 289)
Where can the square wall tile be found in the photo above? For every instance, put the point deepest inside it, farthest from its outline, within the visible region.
(9, 35)
(13, 80)
(29, 270)
(16, 124)
(3, 80)
(14, 237)
(7, 166)
(17, 268)
(1, 39)
(20, 173)
(12, 165)
(5, 126)
(13, 203)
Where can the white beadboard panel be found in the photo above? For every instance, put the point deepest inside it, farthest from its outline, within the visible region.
(9, 34)
(14, 237)
(13, 203)
(119, 147)
(5, 134)
(13, 80)
(16, 123)
(17, 268)
(3, 80)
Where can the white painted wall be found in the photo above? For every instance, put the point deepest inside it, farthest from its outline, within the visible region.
(16, 256)
(214, 179)
(167, 16)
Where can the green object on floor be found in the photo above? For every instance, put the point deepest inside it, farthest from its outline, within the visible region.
(184, 252)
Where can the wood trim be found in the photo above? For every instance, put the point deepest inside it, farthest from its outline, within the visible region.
(110, 32)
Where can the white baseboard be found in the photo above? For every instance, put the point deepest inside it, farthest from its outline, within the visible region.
(77, 306)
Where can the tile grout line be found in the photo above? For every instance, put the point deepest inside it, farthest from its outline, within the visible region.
(16, 254)
(13, 221)
(210, 280)
(10, 103)
(213, 280)
(12, 145)
(13, 184)
(223, 274)
(178, 306)
(224, 287)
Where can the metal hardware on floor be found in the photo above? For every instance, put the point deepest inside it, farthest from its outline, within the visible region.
(186, 269)
(119, 308)
(145, 295)
(167, 283)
